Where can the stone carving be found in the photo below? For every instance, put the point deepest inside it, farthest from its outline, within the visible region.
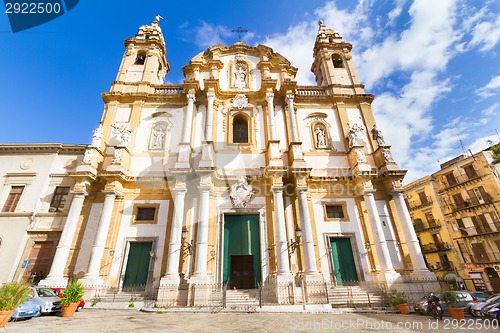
(159, 132)
(320, 135)
(240, 101)
(356, 132)
(97, 137)
(360, 155)
(240, 75)
(123, 133)
(387, 155)
(117, 158)
(87, 157)
(377, 136)
(241, 193)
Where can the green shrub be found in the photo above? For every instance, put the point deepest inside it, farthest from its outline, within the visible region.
(397, 297)
(72, 294)
(449, 297)
(12, 294)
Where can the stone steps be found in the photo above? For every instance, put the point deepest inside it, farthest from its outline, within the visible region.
(356, 296)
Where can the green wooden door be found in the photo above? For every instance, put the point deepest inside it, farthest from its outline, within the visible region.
(137, 270)
(343, 261)
(242, 249)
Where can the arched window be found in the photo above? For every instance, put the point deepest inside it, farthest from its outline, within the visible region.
(240, 130)
(337, 61)
(141, 58)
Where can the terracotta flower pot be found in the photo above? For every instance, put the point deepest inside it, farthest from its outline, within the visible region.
(5, 316)
(456, 313)
(403, 308)
(69, 310)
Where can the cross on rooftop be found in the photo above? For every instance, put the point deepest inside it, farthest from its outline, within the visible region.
(239, 31)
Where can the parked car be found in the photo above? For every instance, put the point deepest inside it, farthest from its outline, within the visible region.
(47, 299)
(488, 307)
(59, 293)
(26, 310)
(492, 311)
(476, 308)
(465, 299)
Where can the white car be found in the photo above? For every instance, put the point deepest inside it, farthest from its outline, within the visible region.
(47, 299)
(476, 309)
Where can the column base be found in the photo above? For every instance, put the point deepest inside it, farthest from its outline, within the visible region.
(56, 282)
(92, 281)
(200, 279)
(284, 278)
(169, 280)
(313, 277)
(201, 290)
(423, 274)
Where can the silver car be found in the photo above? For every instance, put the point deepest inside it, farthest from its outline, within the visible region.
(47, 299)
(477, 308)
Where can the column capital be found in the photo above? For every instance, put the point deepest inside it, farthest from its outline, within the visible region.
(191, 97)
(211, 95)
(277, 188)
(289, 98)
(270, 97)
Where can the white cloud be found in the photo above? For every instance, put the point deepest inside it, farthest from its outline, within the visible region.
(490, 89)
(396, 11)
(491, 110)
(486, 34)
(207, 35)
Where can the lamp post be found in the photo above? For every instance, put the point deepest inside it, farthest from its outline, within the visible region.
(294, 244)
(189, 245)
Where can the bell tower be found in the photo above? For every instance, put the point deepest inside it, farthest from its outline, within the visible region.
(144, 60)
(333, 63)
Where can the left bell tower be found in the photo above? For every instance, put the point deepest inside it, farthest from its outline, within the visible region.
(144, 60)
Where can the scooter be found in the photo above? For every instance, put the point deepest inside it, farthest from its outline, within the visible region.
(434, 308)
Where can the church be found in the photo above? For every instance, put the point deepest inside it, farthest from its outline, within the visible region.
(238, 177)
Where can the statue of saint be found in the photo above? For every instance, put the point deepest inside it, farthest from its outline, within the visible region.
(377, 136)
(320, 136)
(240, 75)
(159, 136)
(97, 137)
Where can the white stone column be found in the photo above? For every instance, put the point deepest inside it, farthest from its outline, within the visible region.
(200, 269)
(307, 235)
(188, 120)
(210, 112)
(412, 244)
(56, 274)
(270, 110)
(280, 230)
(174, 248)
(291, 115)
(379, 236)
(92, 278)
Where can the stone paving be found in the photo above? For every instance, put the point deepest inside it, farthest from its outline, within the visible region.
(94, 320)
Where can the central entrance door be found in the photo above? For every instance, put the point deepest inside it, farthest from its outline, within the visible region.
(137, 270)
(242, 266)
(343, 261)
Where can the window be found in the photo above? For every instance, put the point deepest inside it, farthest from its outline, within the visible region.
(59, 199)
(13, 199)
(470, 171)
(335, 211)
(423, 197)
(145, 213)
(459, 201)
(240, 130)
(141, 58)
(450, 179)
(337, 61)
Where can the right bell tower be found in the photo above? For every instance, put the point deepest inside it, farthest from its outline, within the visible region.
(333, 65)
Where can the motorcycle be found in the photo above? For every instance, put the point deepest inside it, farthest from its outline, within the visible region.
(434, 308)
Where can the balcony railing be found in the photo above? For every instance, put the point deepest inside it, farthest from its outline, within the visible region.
(169, 89)
(483, 258)
(469, 204)
(460, 179)
(420, 203)
(438, 247)
(432, 224)
(481, 229)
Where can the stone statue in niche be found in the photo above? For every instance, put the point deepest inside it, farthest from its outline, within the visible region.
(87, 157)
(377, 136)
(320, 136)
(117, 157)
(159, 133)
(123, 133)
(240, 75)
(360, 156)
(97, 137)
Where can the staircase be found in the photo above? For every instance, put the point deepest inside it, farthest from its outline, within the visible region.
(243, 299)
(356, 297)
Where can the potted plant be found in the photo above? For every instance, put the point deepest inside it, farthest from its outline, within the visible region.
(399, 300)
(71, 297)
(450, 298)
(11, 295)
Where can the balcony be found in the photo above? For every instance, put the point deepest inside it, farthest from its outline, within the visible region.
(479, 230)
(414, 205)
(469, 205)
(433, 224)
(483, 258)
(461, 179)
(439, 247)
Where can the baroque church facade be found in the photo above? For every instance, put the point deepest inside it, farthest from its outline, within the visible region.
(236, 176)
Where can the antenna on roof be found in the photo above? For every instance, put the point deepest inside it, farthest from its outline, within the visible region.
(462, 145)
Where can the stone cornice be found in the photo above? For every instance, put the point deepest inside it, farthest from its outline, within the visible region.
(42, 148)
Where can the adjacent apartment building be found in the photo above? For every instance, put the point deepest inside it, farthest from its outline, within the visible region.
(455, 212)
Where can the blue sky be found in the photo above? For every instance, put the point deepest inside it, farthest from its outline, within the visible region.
(432, 64)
